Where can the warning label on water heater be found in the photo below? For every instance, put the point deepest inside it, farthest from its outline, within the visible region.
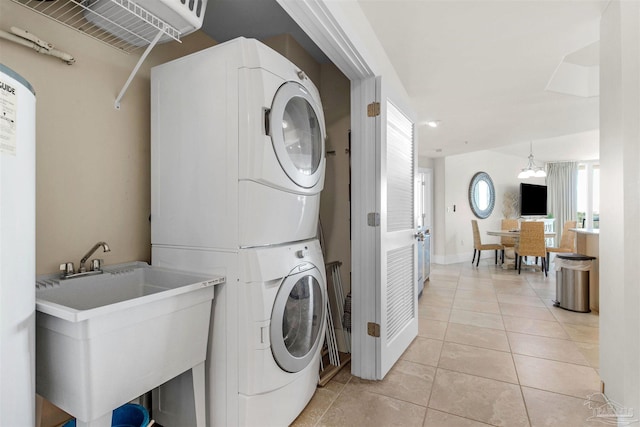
(8, 106)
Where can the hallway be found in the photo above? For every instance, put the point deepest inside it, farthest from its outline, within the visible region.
(491, 350)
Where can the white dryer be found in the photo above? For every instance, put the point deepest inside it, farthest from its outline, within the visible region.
(237, 149)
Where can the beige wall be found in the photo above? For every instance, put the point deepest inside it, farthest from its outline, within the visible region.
(92, 179)
(335, 207)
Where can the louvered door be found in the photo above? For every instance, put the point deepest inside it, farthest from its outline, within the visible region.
(398, 296)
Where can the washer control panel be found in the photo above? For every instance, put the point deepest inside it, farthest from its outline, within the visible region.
(303, 253)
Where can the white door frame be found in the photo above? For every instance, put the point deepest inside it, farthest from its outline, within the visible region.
(319, 23)
(429, 172)
(315, 18)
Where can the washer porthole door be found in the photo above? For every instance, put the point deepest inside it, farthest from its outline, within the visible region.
(297, 133)
(297, 320)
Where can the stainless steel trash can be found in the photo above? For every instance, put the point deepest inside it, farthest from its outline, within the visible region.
(572, 284)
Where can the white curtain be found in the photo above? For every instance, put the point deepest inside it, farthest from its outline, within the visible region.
(562, 195)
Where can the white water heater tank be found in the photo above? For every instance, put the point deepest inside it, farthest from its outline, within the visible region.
(17, 249)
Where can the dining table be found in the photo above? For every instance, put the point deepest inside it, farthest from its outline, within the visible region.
(514, 234)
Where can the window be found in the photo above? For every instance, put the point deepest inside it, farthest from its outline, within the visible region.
(589, 195)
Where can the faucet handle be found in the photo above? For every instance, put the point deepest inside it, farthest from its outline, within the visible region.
(96, 264)
(67, 268)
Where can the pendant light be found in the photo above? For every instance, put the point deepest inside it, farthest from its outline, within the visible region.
(532, 170)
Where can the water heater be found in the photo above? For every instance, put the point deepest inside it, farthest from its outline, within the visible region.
(17, 249)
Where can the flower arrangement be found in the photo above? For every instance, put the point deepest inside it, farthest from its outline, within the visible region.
(511, 204)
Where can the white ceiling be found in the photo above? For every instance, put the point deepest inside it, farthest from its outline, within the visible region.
(481, 68)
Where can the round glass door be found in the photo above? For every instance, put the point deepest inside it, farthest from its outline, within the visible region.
(297, 133)
(297, 320)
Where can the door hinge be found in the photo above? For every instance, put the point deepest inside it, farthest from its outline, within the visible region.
(373, 219)
(373, 329)
(373, 109)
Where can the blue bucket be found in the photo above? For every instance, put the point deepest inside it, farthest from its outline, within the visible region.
(128, 415)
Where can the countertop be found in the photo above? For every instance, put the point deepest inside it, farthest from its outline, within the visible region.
(586, 230)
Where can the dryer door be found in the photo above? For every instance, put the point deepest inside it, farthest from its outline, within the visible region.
(296, 127)
(298, 319)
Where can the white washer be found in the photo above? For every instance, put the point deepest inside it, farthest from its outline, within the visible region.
(268, 327)
(237, 136)
(281, 329)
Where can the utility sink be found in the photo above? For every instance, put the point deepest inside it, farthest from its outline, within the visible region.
(106, 339)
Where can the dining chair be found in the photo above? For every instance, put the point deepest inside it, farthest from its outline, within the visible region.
(567, 241)
(508, 242)
(478, 247)
(531, 243)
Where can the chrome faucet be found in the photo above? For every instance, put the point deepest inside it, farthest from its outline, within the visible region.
(105, 247)
(96, 264)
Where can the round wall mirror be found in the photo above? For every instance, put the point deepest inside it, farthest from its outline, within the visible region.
(482, 195)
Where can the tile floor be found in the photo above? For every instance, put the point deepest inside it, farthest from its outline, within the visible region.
(491, 350)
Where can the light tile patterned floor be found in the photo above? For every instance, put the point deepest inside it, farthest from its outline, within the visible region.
(491, 350)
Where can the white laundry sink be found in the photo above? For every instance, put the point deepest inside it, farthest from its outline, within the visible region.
(106, 339)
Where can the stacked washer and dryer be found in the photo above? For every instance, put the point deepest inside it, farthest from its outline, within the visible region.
(237, 166)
